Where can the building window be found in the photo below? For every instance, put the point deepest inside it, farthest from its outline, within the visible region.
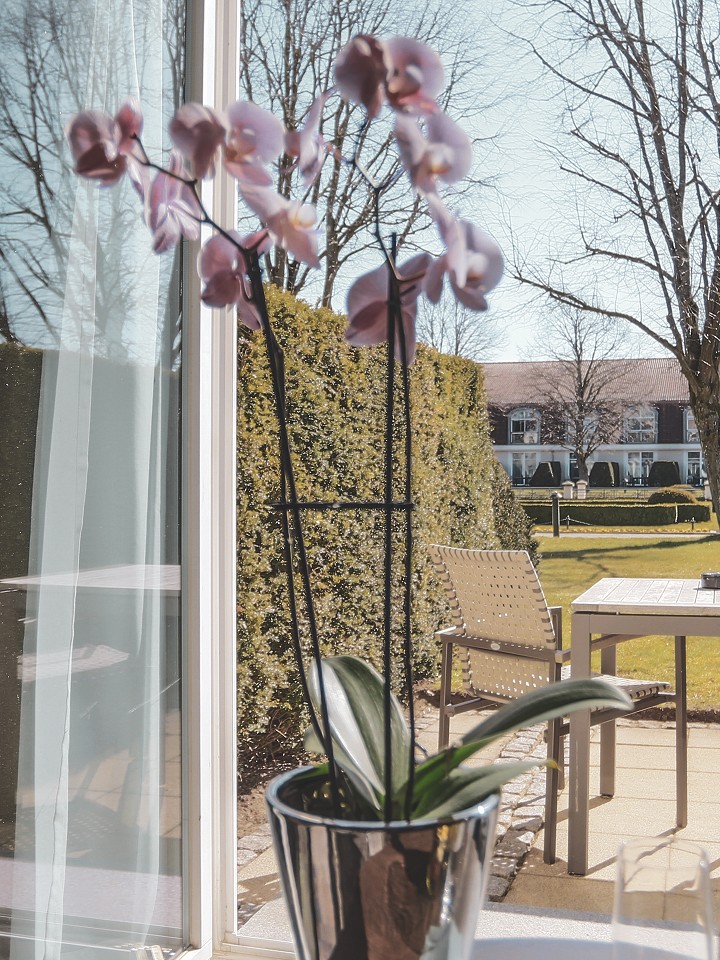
(524, 426)
(692, 434)
(695, 468)
(639, 463)
(573, 471)
(523, 467)
(641, 425)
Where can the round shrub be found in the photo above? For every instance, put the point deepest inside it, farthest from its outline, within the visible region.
(664, 473)
(672, 495)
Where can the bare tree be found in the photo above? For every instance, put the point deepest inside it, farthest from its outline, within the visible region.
(642, 121)
(287, 51)
(581, 399)
(451, 328)
(43, 78)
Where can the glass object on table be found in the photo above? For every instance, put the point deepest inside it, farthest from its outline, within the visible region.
(663, 904)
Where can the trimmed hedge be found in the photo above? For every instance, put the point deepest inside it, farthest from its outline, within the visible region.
(604, 473)
(547, 474)
(619, 514)
(672, 495)
(663, 473)
(335, 410)
(512, 525)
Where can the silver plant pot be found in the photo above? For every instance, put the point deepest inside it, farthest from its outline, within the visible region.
(376, 891)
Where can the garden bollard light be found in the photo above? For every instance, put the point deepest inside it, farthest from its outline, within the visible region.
(555, 497)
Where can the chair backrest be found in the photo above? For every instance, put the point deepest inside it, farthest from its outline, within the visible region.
(496, 595)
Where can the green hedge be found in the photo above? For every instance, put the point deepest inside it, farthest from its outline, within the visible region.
(335, 406)
(672, 495)
(547, 474)
(613, 514)
(604, 473)
(664, 473)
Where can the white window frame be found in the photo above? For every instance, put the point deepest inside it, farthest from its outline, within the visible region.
(691, 432)
(637, 434)
(525, 414)
(209, 549)
(528, 460)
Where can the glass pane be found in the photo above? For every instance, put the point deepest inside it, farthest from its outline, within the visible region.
(90, 753)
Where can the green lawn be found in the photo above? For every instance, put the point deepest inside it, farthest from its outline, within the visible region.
(570, 565)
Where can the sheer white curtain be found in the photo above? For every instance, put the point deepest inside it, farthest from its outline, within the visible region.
(97, 832)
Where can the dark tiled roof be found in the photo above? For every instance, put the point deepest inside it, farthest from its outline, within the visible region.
(653, 380)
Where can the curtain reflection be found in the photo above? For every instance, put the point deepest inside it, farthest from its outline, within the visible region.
(90, 800)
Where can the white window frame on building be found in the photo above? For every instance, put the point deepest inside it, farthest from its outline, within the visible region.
(524, 425)
(692, 434)
(695, 467)
(523, 466)
(639, 463)
(641, 425)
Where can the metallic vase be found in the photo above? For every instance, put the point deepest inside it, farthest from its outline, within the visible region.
(377, 891)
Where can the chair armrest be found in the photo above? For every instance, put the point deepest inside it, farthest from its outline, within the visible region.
(556, 617)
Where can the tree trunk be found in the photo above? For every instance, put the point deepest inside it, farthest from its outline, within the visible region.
(583, 473)
(706, 408)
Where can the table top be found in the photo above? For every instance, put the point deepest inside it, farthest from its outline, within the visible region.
(628, 595)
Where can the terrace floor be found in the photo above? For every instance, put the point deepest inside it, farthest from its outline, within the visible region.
(644, 805)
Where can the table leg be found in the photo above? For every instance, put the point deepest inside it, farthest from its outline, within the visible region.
(608, 665)
(681, 732)
(579, 752)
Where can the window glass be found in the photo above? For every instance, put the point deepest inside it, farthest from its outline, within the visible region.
(524, 426)
(641, 426)
(90, 362)
(695, 468)
(639, 463)
(524, 465)
(691, 431)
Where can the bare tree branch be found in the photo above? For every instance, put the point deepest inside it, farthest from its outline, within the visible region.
(642, 139)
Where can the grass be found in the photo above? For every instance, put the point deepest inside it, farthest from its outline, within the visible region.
(572, 564)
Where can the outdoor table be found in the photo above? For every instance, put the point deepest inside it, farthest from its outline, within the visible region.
(612, 611)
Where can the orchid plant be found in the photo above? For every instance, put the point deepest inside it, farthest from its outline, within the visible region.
(356, 721)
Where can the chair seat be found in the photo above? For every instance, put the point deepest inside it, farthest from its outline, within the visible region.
(634, 688)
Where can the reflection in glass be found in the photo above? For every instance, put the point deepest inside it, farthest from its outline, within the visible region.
(90, 797)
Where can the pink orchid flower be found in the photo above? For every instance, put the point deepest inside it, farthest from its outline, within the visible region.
(198, 131)
(255, 138)
(103, 146)
(473, 261)
(416, 77)
(361, 72)
(446, 153)
(291, 224)
(223, 271)
(307, 144)
(172, 209)
(367, 305)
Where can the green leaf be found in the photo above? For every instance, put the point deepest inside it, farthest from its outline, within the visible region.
(466, 787)
(543, 704)
(355, 699)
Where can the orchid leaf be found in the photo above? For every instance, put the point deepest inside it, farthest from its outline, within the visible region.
(543, 704)
(355, 700)
(467, 786)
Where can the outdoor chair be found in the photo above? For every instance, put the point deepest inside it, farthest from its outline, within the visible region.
(509, 642)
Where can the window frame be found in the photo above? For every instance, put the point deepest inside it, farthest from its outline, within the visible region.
(691, 435)
(640, 435)
(524, 415)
